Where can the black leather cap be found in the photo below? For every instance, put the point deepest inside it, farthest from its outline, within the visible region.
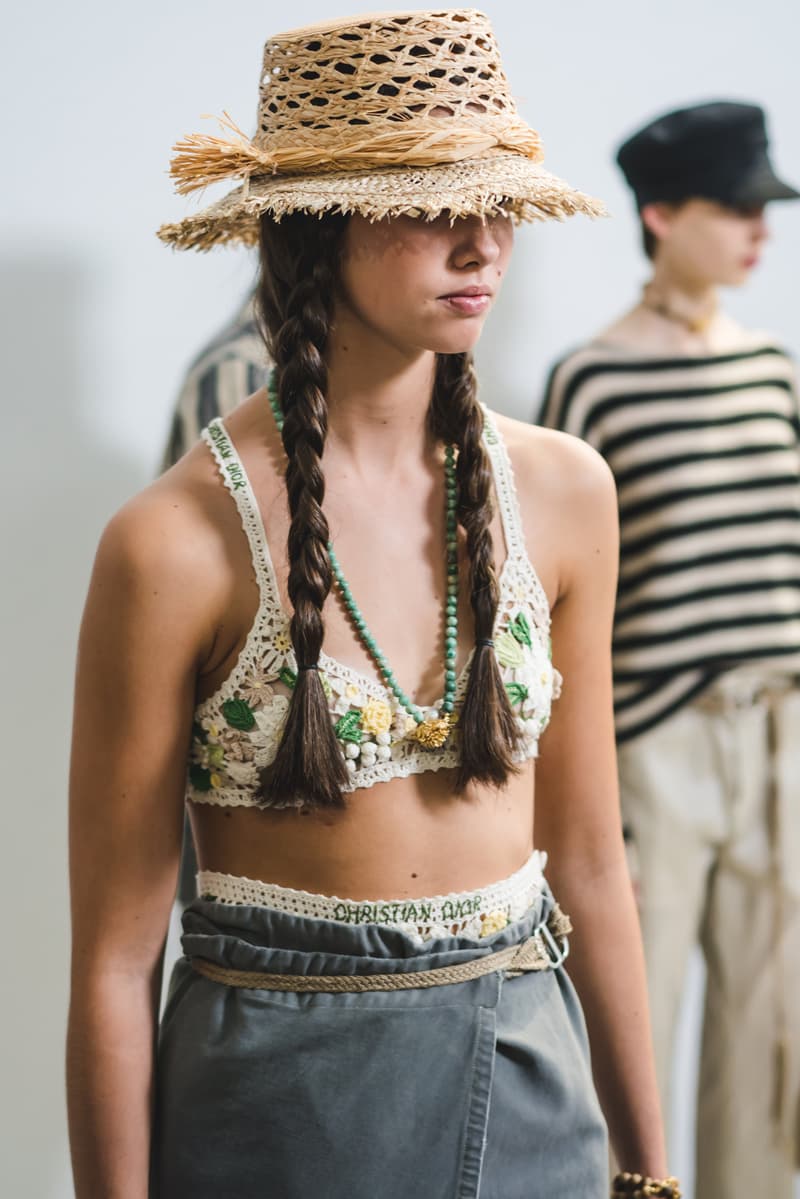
(717, 151)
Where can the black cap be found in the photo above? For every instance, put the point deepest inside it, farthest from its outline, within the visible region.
(716, 151)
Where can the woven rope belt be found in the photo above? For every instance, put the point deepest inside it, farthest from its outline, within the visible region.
(540, 951)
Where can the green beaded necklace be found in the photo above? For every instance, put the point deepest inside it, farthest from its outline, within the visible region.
(432, 731)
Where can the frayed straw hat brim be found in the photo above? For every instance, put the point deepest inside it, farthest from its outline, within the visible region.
(484, 186)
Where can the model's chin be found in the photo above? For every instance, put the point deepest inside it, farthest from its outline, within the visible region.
(737, 276)
(459, 338)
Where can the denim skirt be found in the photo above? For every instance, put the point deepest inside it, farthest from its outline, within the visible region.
(474, 1090)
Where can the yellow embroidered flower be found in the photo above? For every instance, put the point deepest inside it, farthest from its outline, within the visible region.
(216, 780)
(376, 717)
(353, 692)
(282, 642)
(493, 922)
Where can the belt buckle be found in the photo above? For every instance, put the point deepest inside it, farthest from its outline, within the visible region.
(554, 953)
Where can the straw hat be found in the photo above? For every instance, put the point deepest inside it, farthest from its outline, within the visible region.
(386, 114)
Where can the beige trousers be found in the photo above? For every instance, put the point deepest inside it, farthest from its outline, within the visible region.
(712, 800)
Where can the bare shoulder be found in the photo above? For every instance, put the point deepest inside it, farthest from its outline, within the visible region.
(171, 538)
(568, 504)
(554, 468)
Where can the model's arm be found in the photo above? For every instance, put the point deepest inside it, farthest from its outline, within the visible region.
(141, 641)
(578, 820)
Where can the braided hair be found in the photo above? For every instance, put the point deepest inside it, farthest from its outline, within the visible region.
(488, 731)
(295, 299)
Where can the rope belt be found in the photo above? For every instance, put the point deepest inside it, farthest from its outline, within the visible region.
(540, 951)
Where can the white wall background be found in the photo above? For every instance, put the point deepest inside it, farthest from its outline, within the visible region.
(98, 320)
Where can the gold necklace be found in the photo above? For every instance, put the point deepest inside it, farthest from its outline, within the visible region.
(695, 324)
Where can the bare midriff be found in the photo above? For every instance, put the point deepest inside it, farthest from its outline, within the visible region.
(408, 837)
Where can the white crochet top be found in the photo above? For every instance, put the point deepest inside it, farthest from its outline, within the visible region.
(236, 731)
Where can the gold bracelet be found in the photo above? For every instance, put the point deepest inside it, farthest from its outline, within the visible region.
(638, 1186)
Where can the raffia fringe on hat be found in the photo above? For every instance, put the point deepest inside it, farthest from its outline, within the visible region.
(386, 115)
(201, 159)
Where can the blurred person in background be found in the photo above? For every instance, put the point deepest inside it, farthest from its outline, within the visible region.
(229, 368)
(698, 419)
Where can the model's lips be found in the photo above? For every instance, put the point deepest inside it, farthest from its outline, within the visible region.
(750, 262)
(469, 300)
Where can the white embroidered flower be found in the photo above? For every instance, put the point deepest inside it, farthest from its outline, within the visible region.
(345, 694)
(269, 725)
(243, 774)
(275, 651)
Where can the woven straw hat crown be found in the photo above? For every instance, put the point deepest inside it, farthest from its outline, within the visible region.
(378, 114)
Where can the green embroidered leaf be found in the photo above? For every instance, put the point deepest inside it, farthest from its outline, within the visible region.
(520, 629)
(517, 692)
(216, 756)
(287, 677)
(348, 727)
(509, 651)
(199, 733)
(326, 687)
(238, 714)
(199, 777)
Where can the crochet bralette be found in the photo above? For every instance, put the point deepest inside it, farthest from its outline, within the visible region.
(236, 730)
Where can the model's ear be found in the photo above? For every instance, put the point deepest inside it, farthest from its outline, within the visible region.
(657, 218)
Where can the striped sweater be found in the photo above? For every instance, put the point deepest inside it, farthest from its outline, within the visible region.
(706, 457)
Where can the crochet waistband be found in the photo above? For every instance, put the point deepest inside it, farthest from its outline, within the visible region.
(472, 914)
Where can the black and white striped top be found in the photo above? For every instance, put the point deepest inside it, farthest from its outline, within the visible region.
(706, 456)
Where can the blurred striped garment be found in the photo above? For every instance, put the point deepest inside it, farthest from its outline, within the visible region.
(228, 369)
(706, 456)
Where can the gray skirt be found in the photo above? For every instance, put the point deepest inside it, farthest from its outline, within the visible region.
(475, 1090)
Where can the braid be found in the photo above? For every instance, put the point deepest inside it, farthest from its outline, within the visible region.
(296, 298)
(488, 730)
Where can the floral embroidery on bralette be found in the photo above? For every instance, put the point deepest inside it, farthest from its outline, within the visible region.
(531, 681)
(237, 730)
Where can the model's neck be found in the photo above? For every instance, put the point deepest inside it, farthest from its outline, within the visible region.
(679, 293)
(378, 399)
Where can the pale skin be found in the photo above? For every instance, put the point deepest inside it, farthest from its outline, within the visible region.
(170, 602)
(701, 246)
